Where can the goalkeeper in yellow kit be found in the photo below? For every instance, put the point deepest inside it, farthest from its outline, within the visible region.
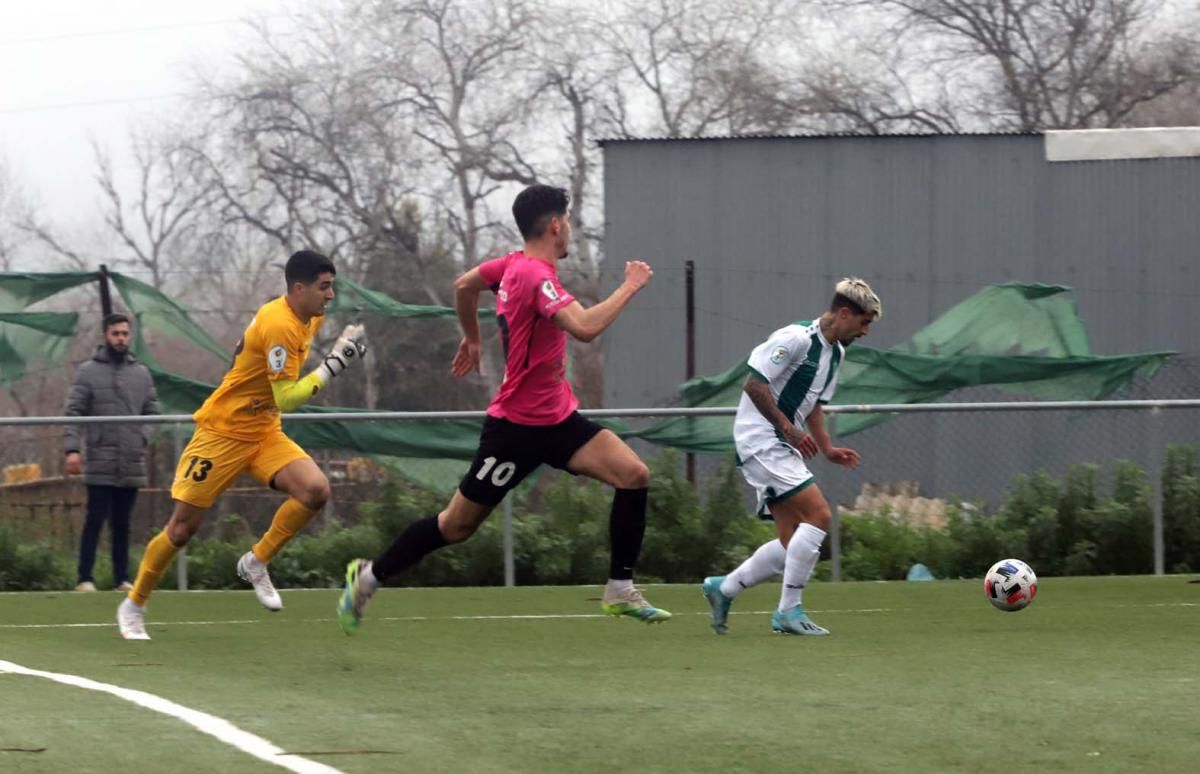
(238, 429)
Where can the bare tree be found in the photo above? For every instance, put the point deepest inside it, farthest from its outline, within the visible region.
(156, 225)
(574, 73)
(321, 144)
(462, 70)
(1181, 107)
(696, 67)
(868, 89)
(235, 268)
(30, 225)
(312, 153)
(1052, 63)
(153, 226)
(41, 231)
(13, 207)
(673, 67)
(573, 76)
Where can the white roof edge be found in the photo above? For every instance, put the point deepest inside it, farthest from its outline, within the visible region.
(1099, 144)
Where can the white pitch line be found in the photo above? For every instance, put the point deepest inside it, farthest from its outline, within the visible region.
(221, 729)
(403, 618)
(110, 624)
(533, 616)
(517, 617)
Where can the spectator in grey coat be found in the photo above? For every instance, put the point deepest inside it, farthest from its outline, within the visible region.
(114, 455)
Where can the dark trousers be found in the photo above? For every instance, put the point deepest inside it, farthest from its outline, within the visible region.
(107, 502)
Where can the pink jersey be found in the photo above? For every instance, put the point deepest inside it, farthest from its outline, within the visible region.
(535, 390)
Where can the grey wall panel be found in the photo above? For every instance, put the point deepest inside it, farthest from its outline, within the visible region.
(772, 223)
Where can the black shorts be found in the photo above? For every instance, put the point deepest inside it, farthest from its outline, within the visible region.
(509, 452)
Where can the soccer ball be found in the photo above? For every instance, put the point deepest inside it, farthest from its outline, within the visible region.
(1010, 585)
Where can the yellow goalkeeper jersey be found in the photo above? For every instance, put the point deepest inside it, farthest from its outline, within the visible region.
(274, 346)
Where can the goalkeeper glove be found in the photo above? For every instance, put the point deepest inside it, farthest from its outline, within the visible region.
(348, 348)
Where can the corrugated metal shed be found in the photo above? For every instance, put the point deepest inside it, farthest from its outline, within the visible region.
(772, 222)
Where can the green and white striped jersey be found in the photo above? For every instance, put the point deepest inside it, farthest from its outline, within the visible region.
(801, 368)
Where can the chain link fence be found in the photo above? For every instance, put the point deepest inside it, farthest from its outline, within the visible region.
(50, 506)
(973, 457)
(919, 461)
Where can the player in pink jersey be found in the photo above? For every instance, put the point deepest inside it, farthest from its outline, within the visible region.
(532, 420)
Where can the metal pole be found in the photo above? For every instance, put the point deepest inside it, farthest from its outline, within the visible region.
(699, 411)
(181, 557)
(105, 295)
(1157, 489)
(510, 573)
(689, 274)
(835, 525)
(327, 510)
(835, 545)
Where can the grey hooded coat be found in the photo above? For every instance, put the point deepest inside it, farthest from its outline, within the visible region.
(113, 455)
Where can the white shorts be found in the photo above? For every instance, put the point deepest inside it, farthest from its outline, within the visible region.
(776, 473)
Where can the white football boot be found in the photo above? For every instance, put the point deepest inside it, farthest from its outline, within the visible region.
(131, 620)
(254, 572)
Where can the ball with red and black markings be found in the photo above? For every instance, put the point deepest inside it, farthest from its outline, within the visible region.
(1010, 585)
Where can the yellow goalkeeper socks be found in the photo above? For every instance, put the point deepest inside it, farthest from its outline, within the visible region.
(159, 552)
(289, 519)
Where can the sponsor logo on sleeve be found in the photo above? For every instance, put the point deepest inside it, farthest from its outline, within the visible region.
(548, 290)
(277, 358)
(779, 355)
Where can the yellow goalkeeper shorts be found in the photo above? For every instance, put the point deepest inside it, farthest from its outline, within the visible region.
(212, 462)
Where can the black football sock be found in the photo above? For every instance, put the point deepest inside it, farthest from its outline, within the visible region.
(626, 527)
(419, 538)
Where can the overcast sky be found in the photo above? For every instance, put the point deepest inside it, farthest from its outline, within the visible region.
(74, 69)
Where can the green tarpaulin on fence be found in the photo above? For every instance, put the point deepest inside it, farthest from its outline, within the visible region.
(157, 312)
(18, 291)
(1008, 319)
(872, 376)
(33, 339)
(1025, 339)
(352, 297)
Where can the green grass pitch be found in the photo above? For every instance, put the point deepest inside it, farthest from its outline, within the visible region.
(1098, 675)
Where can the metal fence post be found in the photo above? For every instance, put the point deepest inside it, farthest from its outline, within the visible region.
(835, 521)
(510, 575)
(1157, 490)
(835, 545)
(181, 557)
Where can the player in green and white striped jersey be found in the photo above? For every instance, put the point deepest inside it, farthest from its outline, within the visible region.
(792, 374)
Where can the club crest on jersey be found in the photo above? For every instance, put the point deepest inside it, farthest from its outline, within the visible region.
(503, 294)
(779, 355)
(548, 290)
(277, 358)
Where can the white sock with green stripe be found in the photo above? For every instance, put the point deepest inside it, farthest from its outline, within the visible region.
(765, 563)
(802, 553)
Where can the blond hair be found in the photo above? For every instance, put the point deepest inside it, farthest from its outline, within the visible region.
(859, 292)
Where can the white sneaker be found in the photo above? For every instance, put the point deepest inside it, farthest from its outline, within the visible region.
(254, 572)
(86, 586)
(131, 620)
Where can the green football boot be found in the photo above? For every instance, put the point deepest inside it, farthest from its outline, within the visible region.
(354, 597)
(632, 604)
